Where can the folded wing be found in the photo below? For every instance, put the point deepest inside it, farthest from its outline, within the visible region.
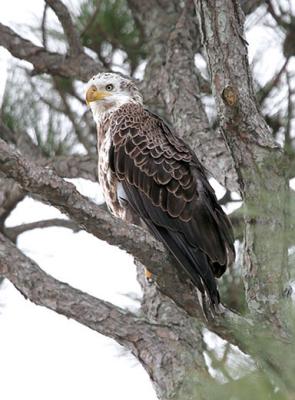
(165, 185)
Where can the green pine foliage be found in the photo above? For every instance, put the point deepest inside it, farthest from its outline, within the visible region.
(24, 110)
(108, 25)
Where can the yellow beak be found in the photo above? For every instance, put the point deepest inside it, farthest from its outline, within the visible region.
(93, 94)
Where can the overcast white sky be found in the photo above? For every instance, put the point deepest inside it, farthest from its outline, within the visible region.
(45, 355)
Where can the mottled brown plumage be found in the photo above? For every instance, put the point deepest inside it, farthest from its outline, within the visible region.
(147, 172)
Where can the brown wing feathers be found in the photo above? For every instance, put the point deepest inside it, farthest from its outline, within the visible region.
(166, 186)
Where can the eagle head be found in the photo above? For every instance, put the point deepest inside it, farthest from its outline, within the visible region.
(106, 92)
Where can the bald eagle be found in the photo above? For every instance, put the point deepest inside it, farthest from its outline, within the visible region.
(148, 173)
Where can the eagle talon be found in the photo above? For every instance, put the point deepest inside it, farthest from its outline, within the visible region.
(148, 276)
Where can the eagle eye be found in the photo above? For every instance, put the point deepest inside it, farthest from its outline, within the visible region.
(109, 87)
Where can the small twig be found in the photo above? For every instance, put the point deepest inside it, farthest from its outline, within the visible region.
(268, 87)
(275, 16)
(226, 198)
(43, 27)
(56, 107)
(83, 139)
(69, 166)
(91, 20)
(288, 143)
(15, 231)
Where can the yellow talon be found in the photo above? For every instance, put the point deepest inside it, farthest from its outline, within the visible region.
(148, 275)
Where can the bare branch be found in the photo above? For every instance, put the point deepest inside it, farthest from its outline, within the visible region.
(249, 6)
(275, 16)
(80, 67)
(154, 344)
(13, 232)
(133, 239)
(264, 92)
(92, 19)
(71, 166)
(44, 290)
(64, 196)
(21, 140)
(81, 135)
(62, 13)
(101, 224)
(10, 195)
(43, 27)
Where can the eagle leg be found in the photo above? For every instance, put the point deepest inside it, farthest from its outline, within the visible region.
(148, 276)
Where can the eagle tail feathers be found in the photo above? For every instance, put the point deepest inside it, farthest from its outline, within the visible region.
(193, 261)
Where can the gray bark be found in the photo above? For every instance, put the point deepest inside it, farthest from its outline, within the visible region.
(167, 335)
(258, 160)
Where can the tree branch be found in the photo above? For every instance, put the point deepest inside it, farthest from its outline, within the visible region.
(82, 136)
(62, 13)
(154, 344)
(101, 224)
(63, 195)
(42, 289)
(69, 166)
(10, 195)
(13, 232)
(43, 27)
(249, 6)
(80, 67)
(135, 240)
(264, 91)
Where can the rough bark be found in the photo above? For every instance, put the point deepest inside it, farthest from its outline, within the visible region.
(167, 334)
(167, 352)
(79, 66)
(138, 242)
(173, 81)
(258, 160)
(94, 219)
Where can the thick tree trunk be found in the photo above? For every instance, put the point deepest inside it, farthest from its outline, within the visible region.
(258, 160)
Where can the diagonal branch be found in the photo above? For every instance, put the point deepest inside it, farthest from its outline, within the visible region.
(135, 240)
(43, 27)
(82, 136)
(62, 13)
(68, 166)
(250, 6)
(79, 67)
(63, 195)
(44, 290)
(13, 232)
(264, 92)
(154, 344)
